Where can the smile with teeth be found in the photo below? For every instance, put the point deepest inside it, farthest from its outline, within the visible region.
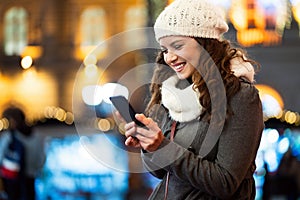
(179, 67)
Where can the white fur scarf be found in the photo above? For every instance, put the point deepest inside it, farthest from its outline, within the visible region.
(183, 104)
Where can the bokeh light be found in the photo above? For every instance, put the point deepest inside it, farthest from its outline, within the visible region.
(26, 62)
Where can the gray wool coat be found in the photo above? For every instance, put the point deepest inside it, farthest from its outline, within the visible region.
(226, 172)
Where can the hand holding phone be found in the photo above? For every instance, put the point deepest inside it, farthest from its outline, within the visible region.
(125, 109)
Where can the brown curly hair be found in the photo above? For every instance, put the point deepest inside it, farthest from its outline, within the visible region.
(220, 52)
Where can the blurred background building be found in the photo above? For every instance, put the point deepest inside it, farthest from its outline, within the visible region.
(58, 59)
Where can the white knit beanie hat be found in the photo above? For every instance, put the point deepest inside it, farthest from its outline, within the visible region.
(194, 18)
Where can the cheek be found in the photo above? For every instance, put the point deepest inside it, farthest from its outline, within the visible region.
(194, 58)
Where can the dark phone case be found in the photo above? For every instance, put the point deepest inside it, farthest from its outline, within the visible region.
(125, 109)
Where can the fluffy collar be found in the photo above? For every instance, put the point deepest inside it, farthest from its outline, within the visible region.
(183, 104)
(241, 68)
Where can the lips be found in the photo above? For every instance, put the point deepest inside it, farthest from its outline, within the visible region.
(179, 67)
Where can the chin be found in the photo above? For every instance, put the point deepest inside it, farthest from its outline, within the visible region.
(182, 76)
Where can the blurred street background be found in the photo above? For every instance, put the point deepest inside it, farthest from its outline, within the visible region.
(60, 60)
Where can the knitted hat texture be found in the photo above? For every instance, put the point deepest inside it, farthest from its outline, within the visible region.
(194, 18)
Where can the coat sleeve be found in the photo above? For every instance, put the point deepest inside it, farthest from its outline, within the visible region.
(155, 170)
(237, 148)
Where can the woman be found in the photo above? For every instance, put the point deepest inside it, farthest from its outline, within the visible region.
(205, 116)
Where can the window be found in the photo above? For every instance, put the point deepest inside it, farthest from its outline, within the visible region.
(92, 27)
(136, 17)
(15, 31)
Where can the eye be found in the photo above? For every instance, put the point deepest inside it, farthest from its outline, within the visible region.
(164, 51)
(178, 46)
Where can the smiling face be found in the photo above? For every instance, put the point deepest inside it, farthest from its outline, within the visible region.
(181, 54)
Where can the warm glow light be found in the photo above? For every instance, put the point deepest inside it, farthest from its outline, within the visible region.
(104, 125)
(34, 90)
(6, 90)
(26, 62)
(290, 117)
(30, 90)
(265, 89)
(259, 21)
(250, 36)
(296, 11)
(297, 123)
(69, 118)
(60, 114)
(272, 102)
(170, 1)
(238, 15)
(4, 124)
(33, 51)
(98, 51)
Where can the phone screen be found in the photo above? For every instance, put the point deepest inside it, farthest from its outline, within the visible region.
(125, 109)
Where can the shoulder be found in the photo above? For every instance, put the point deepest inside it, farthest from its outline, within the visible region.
(248, 93)
(242, 68)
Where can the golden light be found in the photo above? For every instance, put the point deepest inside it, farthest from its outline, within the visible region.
(170, 1)
(290, 117)
(258, 21)
(296, 11)
(26, 62)
(265, 89)
(35, 90)
(272, 102)
(250, 36)
(49, 111)
(1, 125)
(6, 90)
(33, 51)
(297, 123)
(5, 123)
(69, 118)
(104, 125)
(60, 114)
(237, 17)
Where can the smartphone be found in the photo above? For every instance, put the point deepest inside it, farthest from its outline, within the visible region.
(125, 109)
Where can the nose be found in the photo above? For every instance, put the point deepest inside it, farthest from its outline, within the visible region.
(170, 57)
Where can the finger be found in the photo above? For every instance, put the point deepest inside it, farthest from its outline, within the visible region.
(132, 141)
(147, 144)
(145, 120)
(149, 123)
(131, 132)
(129, 126)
